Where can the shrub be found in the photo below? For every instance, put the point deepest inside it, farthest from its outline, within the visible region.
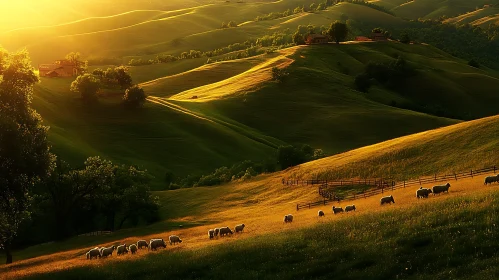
(134, 97)
(473, 63)
(87, 86)
(279, 74)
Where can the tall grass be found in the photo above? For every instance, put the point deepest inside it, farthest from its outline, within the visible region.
(451, 239)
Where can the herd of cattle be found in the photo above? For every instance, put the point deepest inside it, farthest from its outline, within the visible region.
(223, 231)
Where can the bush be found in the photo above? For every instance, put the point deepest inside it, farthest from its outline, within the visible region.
(87, 86)
(362, 82)
(473, 63)
(134, 97)
(279, 74)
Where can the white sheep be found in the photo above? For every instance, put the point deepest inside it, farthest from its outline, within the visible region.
(174, 239)
(337, 210)
(108, 251)
(93, 253)
(225, 230)
(420, 193)
(320, 213)
(211, 233)
(132, 248)
(491, 179)
(441, 188)
(239, 228)
(350, 208)
(387, 199)
(156, 243)
(142, 244)
(288, 218)
(121, 250)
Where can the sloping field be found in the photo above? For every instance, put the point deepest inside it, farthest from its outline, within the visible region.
(240, 84)
(157, 138)
(481, 17)
(261, 203)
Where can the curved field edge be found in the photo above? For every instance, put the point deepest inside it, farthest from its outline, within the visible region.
(398, 243)
(259, 204)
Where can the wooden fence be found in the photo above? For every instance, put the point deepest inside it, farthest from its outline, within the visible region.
(96, 233)
(380, 186)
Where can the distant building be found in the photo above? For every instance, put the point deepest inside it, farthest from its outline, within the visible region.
(314, 39)
(362, 39)
(60, 68)
(486, 6)
(375, 36)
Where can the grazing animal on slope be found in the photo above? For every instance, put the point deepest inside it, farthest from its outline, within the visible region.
(387, 199)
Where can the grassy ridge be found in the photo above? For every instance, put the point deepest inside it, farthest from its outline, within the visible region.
(401, 243)
(157, 138)
(481, 17)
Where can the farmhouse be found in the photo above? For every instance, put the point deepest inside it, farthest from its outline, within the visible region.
(376, 36)
(60, 68)
(362, 39)
(314, 39)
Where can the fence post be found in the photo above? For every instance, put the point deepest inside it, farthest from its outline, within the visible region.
(393, 185)
(419, 180)
(435, 177)
(297, 207)
(381, 188)
(494, 169)
(309, 206)
(404, 184)
(324, 201)
(455, 176)
(471, 173)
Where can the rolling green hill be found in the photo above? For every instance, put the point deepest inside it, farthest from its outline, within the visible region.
(481, 17)
(244, 115)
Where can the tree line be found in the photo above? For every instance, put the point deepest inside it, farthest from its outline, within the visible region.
(38, 192)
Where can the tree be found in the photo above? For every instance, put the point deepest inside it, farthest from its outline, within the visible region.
(404, 38)
(134, 97)
(288, 156)
(362, 82)
(473, 63)
(24, 150)
(297, 10)
(321, 7)
(279, 74)
(81, 66)
(313, 7)
(122, 77)
(87, 86)
(338, 31)
(232, 24)
(298, 38)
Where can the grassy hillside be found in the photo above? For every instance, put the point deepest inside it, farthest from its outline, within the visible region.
(241, 114)
(431, 9)
(481, 17)
(140, 33)
(260, 204)
(157, 138)
(399, 243)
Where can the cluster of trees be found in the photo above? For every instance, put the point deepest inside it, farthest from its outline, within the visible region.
(368, 4)
(300, 9)
(286, 156)
(230, 24)
(249, 52)
(279, 74)
(39, 193)
(99, 196)
(392, 75)
(89, 85)
(464, 41)
(337, 31)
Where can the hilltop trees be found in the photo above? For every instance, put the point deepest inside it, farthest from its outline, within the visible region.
(24, 150)
(76, 198)
(338, 31)
(288, 156)
(134, 97)
(74, 57)
(87, 86)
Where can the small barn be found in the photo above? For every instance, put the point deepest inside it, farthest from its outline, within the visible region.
(315, 39)
(375, 36)
(60, 68)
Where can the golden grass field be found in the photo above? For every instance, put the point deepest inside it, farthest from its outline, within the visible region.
(262, 215)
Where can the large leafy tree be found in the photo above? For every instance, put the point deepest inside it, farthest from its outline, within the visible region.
(134, 97)
(24, 150)
(87, 86)
(338, 31)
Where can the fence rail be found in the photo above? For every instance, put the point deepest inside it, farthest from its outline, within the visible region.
(96, 233)
(379, 186)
